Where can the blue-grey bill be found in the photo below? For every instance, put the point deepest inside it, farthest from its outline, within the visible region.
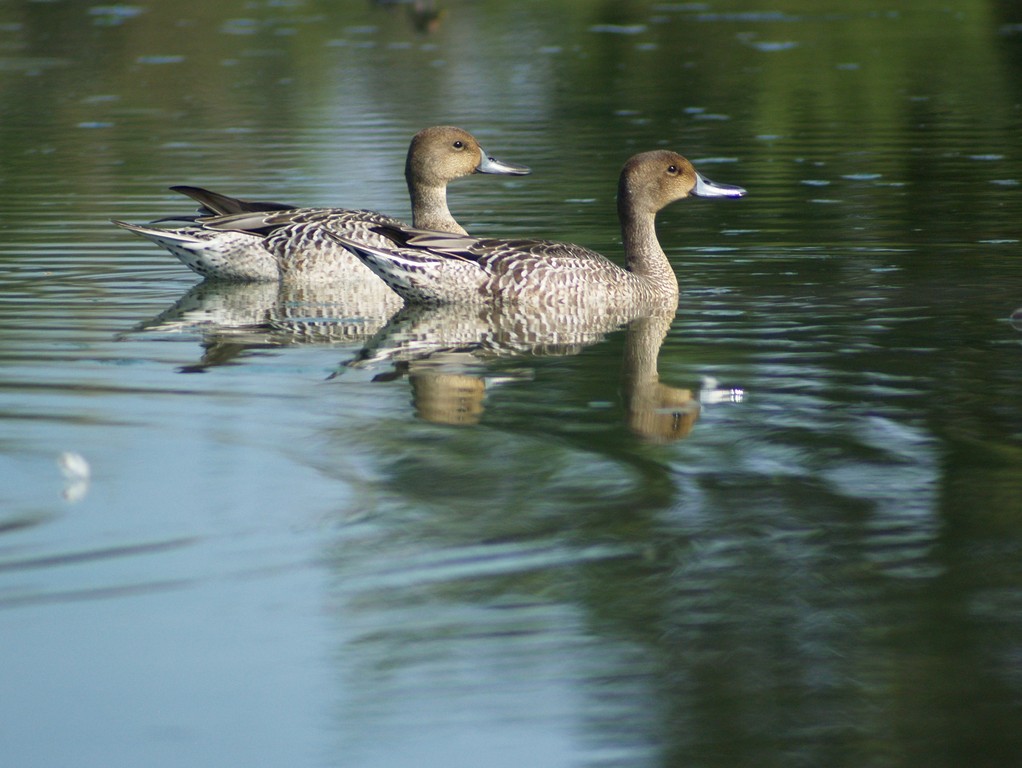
(706, 188)
(489, 164)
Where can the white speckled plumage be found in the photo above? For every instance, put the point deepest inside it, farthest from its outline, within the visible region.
(220, 255)
(438, 268)
(233, 244)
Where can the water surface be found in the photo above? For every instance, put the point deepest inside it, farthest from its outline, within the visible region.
(788, 534)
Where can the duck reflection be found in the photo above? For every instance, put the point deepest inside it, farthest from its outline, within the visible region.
(238, 318)
(441, 350)
(424, 15)
(445, 352)
(1016, 319)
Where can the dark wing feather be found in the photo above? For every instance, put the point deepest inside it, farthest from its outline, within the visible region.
(213, 203)
(465, 247)
(263, 223)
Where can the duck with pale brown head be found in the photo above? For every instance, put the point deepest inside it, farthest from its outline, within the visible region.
(267, 241)
(438, 268)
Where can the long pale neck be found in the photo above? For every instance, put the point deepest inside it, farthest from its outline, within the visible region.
(643, 255)
(429, 208)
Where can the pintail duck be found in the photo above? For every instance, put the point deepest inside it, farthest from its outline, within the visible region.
(235, 239)
(238, 256)
(436, 268)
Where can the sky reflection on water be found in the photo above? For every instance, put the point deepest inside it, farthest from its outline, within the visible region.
(303, 542)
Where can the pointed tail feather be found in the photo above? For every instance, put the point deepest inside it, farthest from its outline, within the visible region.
(161, 237)
(215, 204)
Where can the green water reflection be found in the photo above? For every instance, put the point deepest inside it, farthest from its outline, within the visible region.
(296, 549)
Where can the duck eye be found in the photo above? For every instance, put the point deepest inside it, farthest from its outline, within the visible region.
(672, 169)
(459, 144)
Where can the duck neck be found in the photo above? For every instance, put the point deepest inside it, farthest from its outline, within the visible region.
(429, 208)
(656, 412)
(643, 255)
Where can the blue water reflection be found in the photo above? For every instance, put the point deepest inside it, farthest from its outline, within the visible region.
(783, 529)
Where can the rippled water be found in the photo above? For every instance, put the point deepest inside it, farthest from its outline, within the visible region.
(782, 528)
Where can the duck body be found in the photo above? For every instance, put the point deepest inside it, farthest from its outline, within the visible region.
(233, 239)
(298, 246)
(437, 268)
(235, 256)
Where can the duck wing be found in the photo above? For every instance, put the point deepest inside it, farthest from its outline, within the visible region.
(265, 222)
(215, 204)
(490, 253)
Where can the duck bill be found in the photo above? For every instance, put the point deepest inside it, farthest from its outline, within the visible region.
(706, 188)
(489, 164)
